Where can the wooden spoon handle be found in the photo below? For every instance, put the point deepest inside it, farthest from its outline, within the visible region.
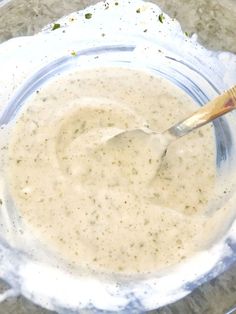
(212, 110)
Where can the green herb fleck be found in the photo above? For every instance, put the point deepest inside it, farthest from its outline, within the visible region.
(88, 15)
(116, 3)
(0, 201)
(161, 17)
(138, 10)
(73, 53)
(186, 34)
(56, 26)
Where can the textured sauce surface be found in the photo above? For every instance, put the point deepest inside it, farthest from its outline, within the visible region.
(101, 206)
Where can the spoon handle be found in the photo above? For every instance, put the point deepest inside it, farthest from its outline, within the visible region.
(217, 107)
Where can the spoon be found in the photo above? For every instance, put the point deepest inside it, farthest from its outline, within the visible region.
(159, 142)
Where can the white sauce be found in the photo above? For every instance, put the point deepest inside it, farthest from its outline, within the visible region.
(101, 206)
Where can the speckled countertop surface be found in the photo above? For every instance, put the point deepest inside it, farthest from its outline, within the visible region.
(215, 23)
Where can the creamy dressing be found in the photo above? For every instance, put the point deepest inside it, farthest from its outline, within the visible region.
(106, 206)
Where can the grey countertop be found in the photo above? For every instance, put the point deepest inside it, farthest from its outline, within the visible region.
(215, 23)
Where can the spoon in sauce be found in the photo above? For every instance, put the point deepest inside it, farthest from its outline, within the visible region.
(158, 142)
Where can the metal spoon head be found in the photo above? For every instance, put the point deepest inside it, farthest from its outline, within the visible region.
(144, 149)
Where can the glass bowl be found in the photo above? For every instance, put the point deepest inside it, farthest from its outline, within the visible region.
(28, 267)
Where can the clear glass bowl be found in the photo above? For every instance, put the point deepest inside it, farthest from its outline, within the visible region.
(138, 293)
